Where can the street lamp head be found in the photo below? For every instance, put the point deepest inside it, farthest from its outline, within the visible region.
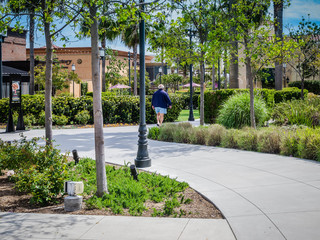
(129, 54)
(101, 52)
(160, 70)
(73, 67)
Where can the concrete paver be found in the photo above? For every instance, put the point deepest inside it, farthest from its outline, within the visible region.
(262, 196)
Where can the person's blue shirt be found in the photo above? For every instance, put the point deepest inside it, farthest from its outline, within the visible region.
(161, 99)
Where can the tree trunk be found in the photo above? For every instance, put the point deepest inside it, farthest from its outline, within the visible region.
(250, 82)
(213, 77)
(31, 40)
(234, 67)
(202, 89)
(225, 63)
(48, 85)
(278, 27)
(103, 72)
(135, 59)
(97, 107)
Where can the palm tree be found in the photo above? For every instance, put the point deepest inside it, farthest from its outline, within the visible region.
(106, 33)
(130, 37)
(278, 28)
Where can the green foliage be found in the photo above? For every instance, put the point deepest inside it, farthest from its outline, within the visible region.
(214, 100)
(235, 113)
(296, 141)
(116, 109)
(84, 88)
(124, 192)
(40, 170)
(300, 112)
(83, 117)
(311, 86)
(153, 133)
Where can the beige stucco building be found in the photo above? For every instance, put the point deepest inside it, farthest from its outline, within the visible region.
(81, 58)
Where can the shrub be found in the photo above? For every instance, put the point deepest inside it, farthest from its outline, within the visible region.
(198, 135)
(153, 133)
(166, 132)
(40, 170)
(29, 120)
(60, 120)
(247, 139)
(308, 146)
(297, 112)
(215, 134)
(182, 132)
(310, 85)
(83, 117)
(213, 100)
(230, 139)
(269, 140)
(289, 142)
(235, 113)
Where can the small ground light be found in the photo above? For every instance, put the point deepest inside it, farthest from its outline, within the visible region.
(75, 156)
(134, 172)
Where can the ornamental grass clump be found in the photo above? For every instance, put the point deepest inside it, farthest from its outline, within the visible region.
(269, 140)
(182, 133)
(235, 112)
(167, 132)
(230, 139)
(215, 134)
(247, 139)
(198, 135)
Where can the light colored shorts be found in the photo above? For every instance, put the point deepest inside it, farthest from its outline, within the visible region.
(160, 110)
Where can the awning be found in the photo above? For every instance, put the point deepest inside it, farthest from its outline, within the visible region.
(6, 71)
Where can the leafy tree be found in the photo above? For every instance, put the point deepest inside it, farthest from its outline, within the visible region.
(305, 58)
(61, 78)
(115, 68)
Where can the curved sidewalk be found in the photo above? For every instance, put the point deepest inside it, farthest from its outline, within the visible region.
(262, 196)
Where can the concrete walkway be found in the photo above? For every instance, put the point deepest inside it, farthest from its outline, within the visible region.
(262, 196)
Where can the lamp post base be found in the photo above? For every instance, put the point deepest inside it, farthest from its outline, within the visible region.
(191, 118)
(142, 162)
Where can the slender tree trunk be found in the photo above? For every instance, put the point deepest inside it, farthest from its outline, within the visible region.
(97, 107)
(103, 72)
(135, 59)
(202, 89)
(250, 83)
(278, 27)
(234, 67)
(31, 40)
(302, 85)
(225, 63)
(48, 85)
(213, 77)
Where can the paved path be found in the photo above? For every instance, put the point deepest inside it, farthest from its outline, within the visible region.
(262, 196)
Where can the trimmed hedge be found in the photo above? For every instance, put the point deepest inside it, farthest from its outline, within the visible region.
(116, 109)
(213, 100)
(311, 85)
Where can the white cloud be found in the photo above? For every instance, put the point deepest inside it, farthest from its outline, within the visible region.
(299, 8)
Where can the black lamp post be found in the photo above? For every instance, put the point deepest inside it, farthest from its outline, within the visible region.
(73, 68)
(160, 72)
(191, 34)
(129, 56)
(2, 36)
(142, 159)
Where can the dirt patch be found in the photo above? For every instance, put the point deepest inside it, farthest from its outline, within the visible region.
(12, 201)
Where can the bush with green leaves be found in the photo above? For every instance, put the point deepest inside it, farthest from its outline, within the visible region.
(214, 100)
(235, 113)
(215, 135)
(83, 117)
(39, 170)
(298, 112)
(310, 85)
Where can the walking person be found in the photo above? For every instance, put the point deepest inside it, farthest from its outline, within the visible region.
(160, 103)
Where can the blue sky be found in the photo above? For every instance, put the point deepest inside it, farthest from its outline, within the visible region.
(292, 16)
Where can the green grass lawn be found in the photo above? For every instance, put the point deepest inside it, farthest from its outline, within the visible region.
(184, 115)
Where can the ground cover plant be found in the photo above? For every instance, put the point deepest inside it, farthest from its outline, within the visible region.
(300, 112)
(295, 141)
(40, 171)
